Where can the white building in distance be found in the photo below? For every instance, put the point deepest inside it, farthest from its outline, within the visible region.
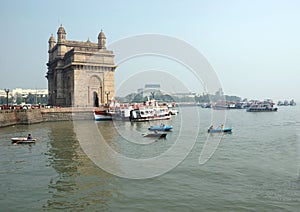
(24, 92)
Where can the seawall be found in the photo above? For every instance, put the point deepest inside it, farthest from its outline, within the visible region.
(38, 115)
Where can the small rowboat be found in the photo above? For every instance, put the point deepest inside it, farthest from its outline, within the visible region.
(22, 140)
(155, 135)
(219, 130)
(160, 128)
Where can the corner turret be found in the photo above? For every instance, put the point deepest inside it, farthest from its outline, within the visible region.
(61, 34)
(101, 40)
(51, 42)
(61, 42)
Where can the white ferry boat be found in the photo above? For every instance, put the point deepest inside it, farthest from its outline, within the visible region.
(147, 111)
(148, 114)
(262, 107)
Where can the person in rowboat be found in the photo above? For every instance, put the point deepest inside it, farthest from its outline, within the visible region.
(29, 137)
(222, 127)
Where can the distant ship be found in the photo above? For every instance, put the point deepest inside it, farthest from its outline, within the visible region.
(286, 103)
(265, 106)
(228, 105)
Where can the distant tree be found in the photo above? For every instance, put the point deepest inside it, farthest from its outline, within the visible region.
(232, 98)
(139, 98)
(120, 99)
(204, 98)
(130, 97)
(186, 99)
(36, 99)
(43, 100)
(19, 98)
(30, 99)
(152, 95)
(167, 98)
(2, 100)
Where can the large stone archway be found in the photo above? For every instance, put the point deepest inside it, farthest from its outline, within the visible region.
(95, 90)
(79, 72)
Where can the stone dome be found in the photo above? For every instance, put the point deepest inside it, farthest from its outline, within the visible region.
(61, 30)
(101, 34)
(52, 39)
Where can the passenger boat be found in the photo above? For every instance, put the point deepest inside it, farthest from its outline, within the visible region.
(135, 112)
(161, 127)
(171, 109)
(220, 130)
(22, 140)
(286, 103)
(221, 106)
(148, 114)
(155, 135)
(262, 107)
(102, 115)
(228, 105)
(122, 114)
(173, 112)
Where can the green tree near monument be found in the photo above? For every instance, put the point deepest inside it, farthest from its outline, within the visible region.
(2, 100)
(19, 99)
(36, 99)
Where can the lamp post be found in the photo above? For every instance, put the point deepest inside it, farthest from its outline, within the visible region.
(107, 93)
(6, 91)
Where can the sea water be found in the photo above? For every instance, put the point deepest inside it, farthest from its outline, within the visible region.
(255, 168)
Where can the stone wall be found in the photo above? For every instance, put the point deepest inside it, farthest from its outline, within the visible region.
(67, 114)
(7, 118)
(13, 117)
(31, 116)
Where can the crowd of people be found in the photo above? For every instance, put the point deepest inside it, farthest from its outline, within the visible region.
(22, 107)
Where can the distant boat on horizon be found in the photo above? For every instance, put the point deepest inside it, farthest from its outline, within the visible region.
(265, 106)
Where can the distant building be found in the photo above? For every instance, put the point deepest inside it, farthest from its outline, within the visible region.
(20, 93)
(185, 94)
(149, 90)
(220, 92)
(152, 86)
(79, 73)
(2, 93)
(24, 92)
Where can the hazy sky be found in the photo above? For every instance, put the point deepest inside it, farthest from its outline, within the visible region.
(253, 45)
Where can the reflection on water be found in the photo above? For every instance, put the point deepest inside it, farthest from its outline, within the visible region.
(79, 183)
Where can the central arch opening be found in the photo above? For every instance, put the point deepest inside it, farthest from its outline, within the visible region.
(96, 99)
(95, 93)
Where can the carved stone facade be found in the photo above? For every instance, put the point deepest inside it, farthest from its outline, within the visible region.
(80, 74)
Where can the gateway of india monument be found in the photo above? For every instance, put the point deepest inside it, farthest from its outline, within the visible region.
(80, 74)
